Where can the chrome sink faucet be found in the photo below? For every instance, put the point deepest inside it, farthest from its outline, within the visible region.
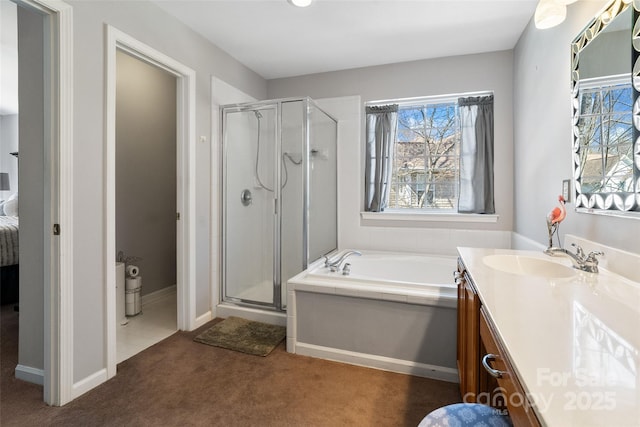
(580, 261)
(334, 265)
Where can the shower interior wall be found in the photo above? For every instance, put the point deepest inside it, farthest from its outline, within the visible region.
(251, 223)
(323, 183)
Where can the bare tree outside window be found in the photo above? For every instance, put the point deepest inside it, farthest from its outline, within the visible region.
(606, 139)
(426, 158)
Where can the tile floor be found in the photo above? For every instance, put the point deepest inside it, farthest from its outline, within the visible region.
(157, 321)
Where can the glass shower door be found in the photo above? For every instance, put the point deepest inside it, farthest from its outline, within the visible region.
(323, 184)
(250, 180)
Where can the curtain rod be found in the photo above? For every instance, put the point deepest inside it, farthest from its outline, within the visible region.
(421, 99)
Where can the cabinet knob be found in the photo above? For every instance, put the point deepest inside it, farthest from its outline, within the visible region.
(495, 373)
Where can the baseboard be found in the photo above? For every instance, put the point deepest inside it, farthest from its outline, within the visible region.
(201, 320)
(88, 383)
(378, 362)
(29, 374)
(157, 295)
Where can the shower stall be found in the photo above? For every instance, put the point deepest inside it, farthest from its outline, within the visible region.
(279, 199)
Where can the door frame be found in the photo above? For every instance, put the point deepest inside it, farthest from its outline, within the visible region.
(185, 181)
(58, 200)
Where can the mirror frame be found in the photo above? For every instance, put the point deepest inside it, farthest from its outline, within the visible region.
(617, 203)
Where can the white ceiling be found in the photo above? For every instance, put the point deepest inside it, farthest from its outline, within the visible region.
(277, 40)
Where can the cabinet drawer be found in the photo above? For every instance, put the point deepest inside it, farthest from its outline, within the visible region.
(497, 365)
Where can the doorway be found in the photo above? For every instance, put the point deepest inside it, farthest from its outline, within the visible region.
(184, 184)
(46, 303)
(145, 204)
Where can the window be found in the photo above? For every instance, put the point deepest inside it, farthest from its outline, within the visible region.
(426, 160)
(430, 155)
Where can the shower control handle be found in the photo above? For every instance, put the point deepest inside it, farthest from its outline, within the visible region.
(245, 197)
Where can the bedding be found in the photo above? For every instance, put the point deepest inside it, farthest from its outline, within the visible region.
(10, 206)
(8, 240)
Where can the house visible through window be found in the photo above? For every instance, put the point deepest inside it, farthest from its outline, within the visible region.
(426, 157)
(430, 155)
(606, 136)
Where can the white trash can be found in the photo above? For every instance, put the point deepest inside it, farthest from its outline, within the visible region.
(132, 296)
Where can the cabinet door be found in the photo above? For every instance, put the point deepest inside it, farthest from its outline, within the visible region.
(510, 390)
(472, 339)
(468, 351)
(460, 351)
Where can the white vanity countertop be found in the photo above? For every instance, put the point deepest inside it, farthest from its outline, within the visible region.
(574, 342)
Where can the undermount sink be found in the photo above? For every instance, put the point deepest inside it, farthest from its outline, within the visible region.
(528, 266)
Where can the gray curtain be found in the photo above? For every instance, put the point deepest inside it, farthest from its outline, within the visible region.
(381, 135)
(476, 158)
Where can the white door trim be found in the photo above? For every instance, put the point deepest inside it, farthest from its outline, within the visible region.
(58, 283)
(186, 89)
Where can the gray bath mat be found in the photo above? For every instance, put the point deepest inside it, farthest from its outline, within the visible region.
(246, 336)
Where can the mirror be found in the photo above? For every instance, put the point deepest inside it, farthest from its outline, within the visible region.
(606, 112)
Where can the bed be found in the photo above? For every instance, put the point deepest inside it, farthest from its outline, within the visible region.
(8, 240)
(8, 259)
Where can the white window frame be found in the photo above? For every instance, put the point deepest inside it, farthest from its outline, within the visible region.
(422, 215)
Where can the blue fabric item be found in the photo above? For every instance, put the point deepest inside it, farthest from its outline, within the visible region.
(466, 415)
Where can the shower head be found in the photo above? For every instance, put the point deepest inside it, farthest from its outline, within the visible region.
(258, 114)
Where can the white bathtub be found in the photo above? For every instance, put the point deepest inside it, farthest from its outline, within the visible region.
(388, 272)
(394, 311)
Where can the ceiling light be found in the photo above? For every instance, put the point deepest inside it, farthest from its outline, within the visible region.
(300, 3)
(549, 13)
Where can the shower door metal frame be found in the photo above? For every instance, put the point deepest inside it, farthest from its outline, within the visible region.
(242, 108)
(305, 190)
(277, 220)
(277, 304)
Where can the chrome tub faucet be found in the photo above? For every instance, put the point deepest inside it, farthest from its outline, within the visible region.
(334, 265)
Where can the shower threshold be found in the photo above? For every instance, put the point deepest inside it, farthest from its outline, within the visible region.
(272, 317)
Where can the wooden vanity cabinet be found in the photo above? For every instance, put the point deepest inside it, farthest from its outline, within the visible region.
(468, 351)
(496, 367)
(476, 339)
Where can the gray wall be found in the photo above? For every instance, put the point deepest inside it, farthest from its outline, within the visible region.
(542, 129)
(31, 202)
(146, 169)
(152, 26)
(343, 93)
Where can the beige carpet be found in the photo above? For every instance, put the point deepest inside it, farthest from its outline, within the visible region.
(179, 382)
(246, 336)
